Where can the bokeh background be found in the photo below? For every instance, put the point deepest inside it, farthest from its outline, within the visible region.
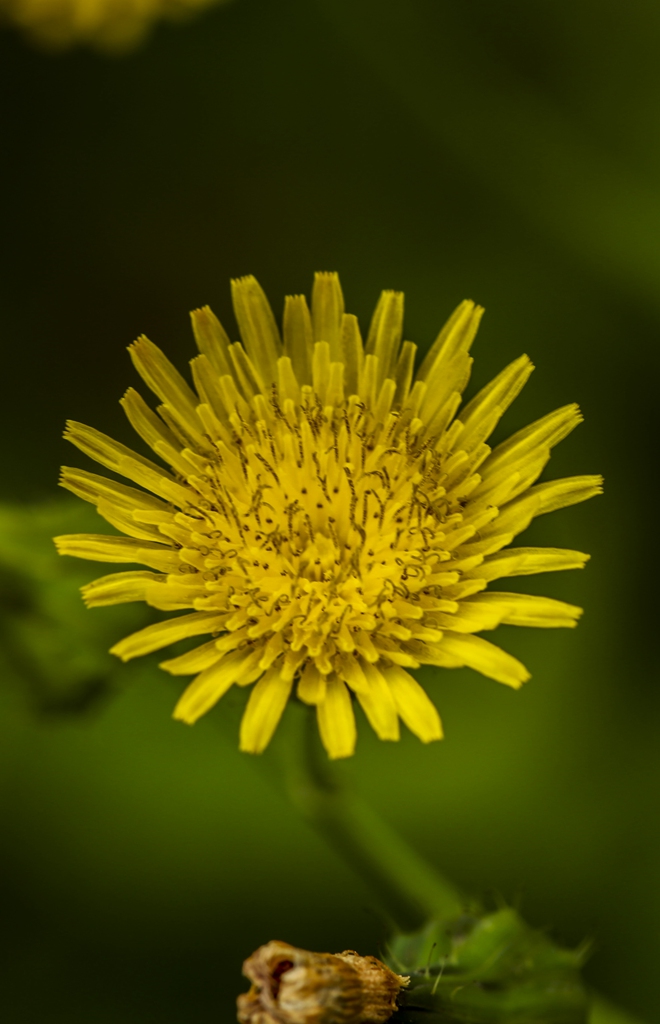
(508, 152)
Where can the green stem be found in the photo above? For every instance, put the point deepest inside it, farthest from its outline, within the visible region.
(603, 1012)
(410, 890)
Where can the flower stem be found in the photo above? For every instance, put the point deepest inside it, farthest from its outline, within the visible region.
(410, 890)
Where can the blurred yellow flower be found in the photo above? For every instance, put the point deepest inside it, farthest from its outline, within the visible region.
(110, 25)
(326, 514)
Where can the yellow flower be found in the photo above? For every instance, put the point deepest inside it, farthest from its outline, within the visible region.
(327, 515)
(110, 25)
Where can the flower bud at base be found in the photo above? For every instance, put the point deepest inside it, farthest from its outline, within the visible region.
(294, 986)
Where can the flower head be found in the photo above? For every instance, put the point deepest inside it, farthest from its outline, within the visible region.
(328, 517)
(293, 986)
(111, 25)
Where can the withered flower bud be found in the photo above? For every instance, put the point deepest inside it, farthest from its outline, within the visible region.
(293, 986)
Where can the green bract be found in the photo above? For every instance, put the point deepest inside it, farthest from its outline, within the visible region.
(487, 970)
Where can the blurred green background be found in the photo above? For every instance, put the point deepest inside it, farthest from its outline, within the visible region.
(507, 152)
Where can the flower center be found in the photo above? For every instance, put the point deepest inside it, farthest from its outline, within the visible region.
(322, 533)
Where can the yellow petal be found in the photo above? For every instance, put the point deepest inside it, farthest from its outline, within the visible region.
(174, 593)
(212, 340)
(127, 463)
(472, 618)
(291, 663)
(208, 687)
(398, 657)
(441, 409)
(492, 401)
(327, 312)
(334, 394)
(144, 420)
(203, 657)
(94, 488)
(569, 491)
(487, 611)
(352, 352)
(264, 710)
(246, 371)
(443, 396)
(298, 336)
(385, 332)
(527, 561)
(384, 400)
(312, 685)
(272, 650)
(207, 383)
(456, 336)
(368, 382)
(102, 548)
(484, 657)
(128, 521)
(257, 325)
(165, 381)
(231, 397)
(542, 434)
(321, 368)
(120, 588)
(527, 609)
(378, 705)
(200, 658)
(364, 645)
(413, 705)
(336, 720)
(518, 514)
(403, 372)
(351, 671)
(287, 383)
(160, 634)
(502, 487)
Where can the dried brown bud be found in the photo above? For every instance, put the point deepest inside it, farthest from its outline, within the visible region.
(292, 986)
